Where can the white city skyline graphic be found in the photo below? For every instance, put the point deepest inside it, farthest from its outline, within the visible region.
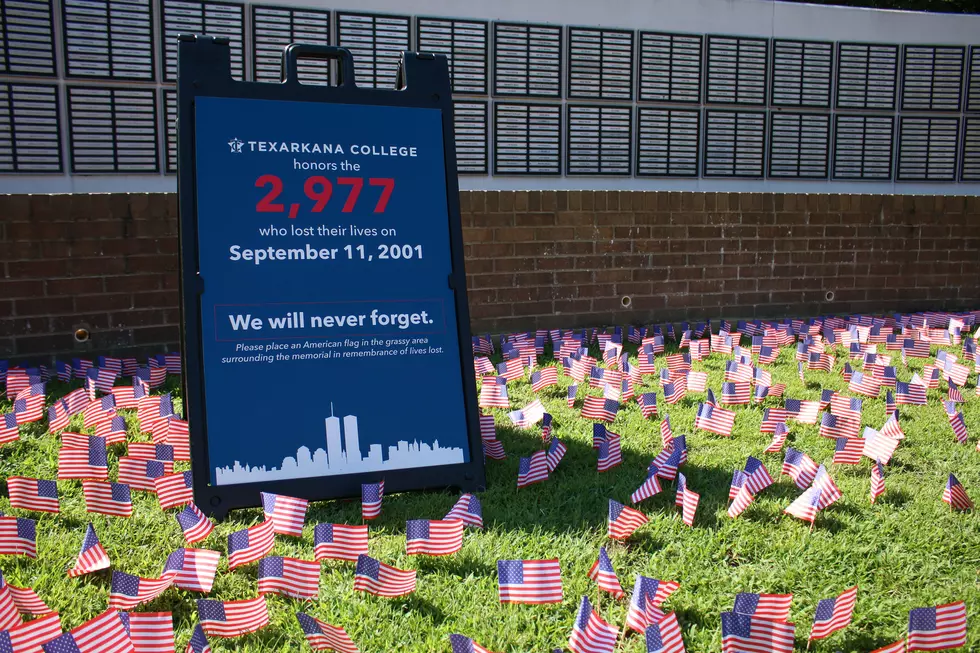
(342, 456)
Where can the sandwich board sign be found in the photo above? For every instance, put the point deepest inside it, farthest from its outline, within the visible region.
(325, 326)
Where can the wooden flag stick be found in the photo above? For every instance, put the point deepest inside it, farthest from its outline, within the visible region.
(621, 645)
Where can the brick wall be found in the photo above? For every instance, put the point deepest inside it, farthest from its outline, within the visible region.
(535, 259)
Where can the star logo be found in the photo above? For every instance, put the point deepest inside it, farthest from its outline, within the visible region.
(235, 145)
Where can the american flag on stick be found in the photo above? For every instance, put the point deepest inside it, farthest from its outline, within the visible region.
(18, 536)
(193, 569)
(604, 575)
(877, 481)
(649, 488)
(806, 505)
(232, 618)
(599, 409)
(106, 498)
(556, 451)
(292, 577)
(741, 632)
(590, 633)
(623, 520)
(610, 452)
(534, 469)
(938, 628)
(375, 577)
(433, 537)
(648, 595)
(287, 514)
(848, 451)
(529, 581)
(139, 473)
(103, 634)
(322, 636)
(493, 393)
(174, 490)
(339, 542)
(33, 494)
(250, 544)
(764, 606)
(953, 494)
(29, 637)
(715, 420)
(544, 378)
(89, 462)
(129, 591)
(468, 510)
(195, 525)
(92, 557)
(778, 439)
(833, 614)
(371, 496)
(878, 447)
(665, 636)
(150, 632)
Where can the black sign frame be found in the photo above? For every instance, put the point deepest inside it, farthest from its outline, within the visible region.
(204, 65)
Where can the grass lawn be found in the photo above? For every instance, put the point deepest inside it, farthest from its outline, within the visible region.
(907, 551)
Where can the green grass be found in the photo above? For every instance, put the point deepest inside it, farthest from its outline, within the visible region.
(909, 550)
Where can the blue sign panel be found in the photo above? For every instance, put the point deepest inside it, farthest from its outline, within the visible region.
(329, 327)
(323, 293)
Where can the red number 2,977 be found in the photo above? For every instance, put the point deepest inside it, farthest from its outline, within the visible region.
(320, 190)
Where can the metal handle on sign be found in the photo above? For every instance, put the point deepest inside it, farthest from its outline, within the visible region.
(345, 61)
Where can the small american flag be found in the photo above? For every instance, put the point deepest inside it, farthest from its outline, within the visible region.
(599, 409)
(529, 415)
(105, 498)
(33, 494)
(529, 581)
(741, 632)
(375, 577)
(778, 439)
(743, 497)
(92, 557)
(649, 488)
(534, 469)
(915, 348)
(194, 569)
(877, 446)
(830, 493)
(112, 429)
(771, 417)
(691, 499)
(287, 514)
(806, 505)
(767, 353)
(833, 427)
(648, 404)
(848, 451)
(910, 394)
(938, 628)
(322, 636)
(232, 618)
(299, 579)
(512, 369)
(757, 477)
(590, 633)
(804, 412)
(954, 392)
(953, 494)
(27, 601)
(572, 391)
(433, 537)
(764, 606)
(665, 636)
(864, 385)
(483, 367)
(18, 536)
(604, 575)
(648, 595)
(715, 420)
(88, 462)
(463, 644)
(339, 542)
(139, 473)
(544, 378)
(833, 614)
(250, 544)
(623, 520)
(736, 373)
(371, 496)
(610, 453)
(877, 481)
(666, 433)
(174, 490)
(150, 451)
(32, 635)
(493, 393)
(959, 427)
(556, 451)
(826, 396)
(150, 632)
(760, 393)
(546, 426)
(129, 591)
(846, 407)
(493, 449)
(675, 390)
(9, 615)
(104, 634)
(468, 510)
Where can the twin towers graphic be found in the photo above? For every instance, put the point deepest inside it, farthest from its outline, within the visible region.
(342, 456)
